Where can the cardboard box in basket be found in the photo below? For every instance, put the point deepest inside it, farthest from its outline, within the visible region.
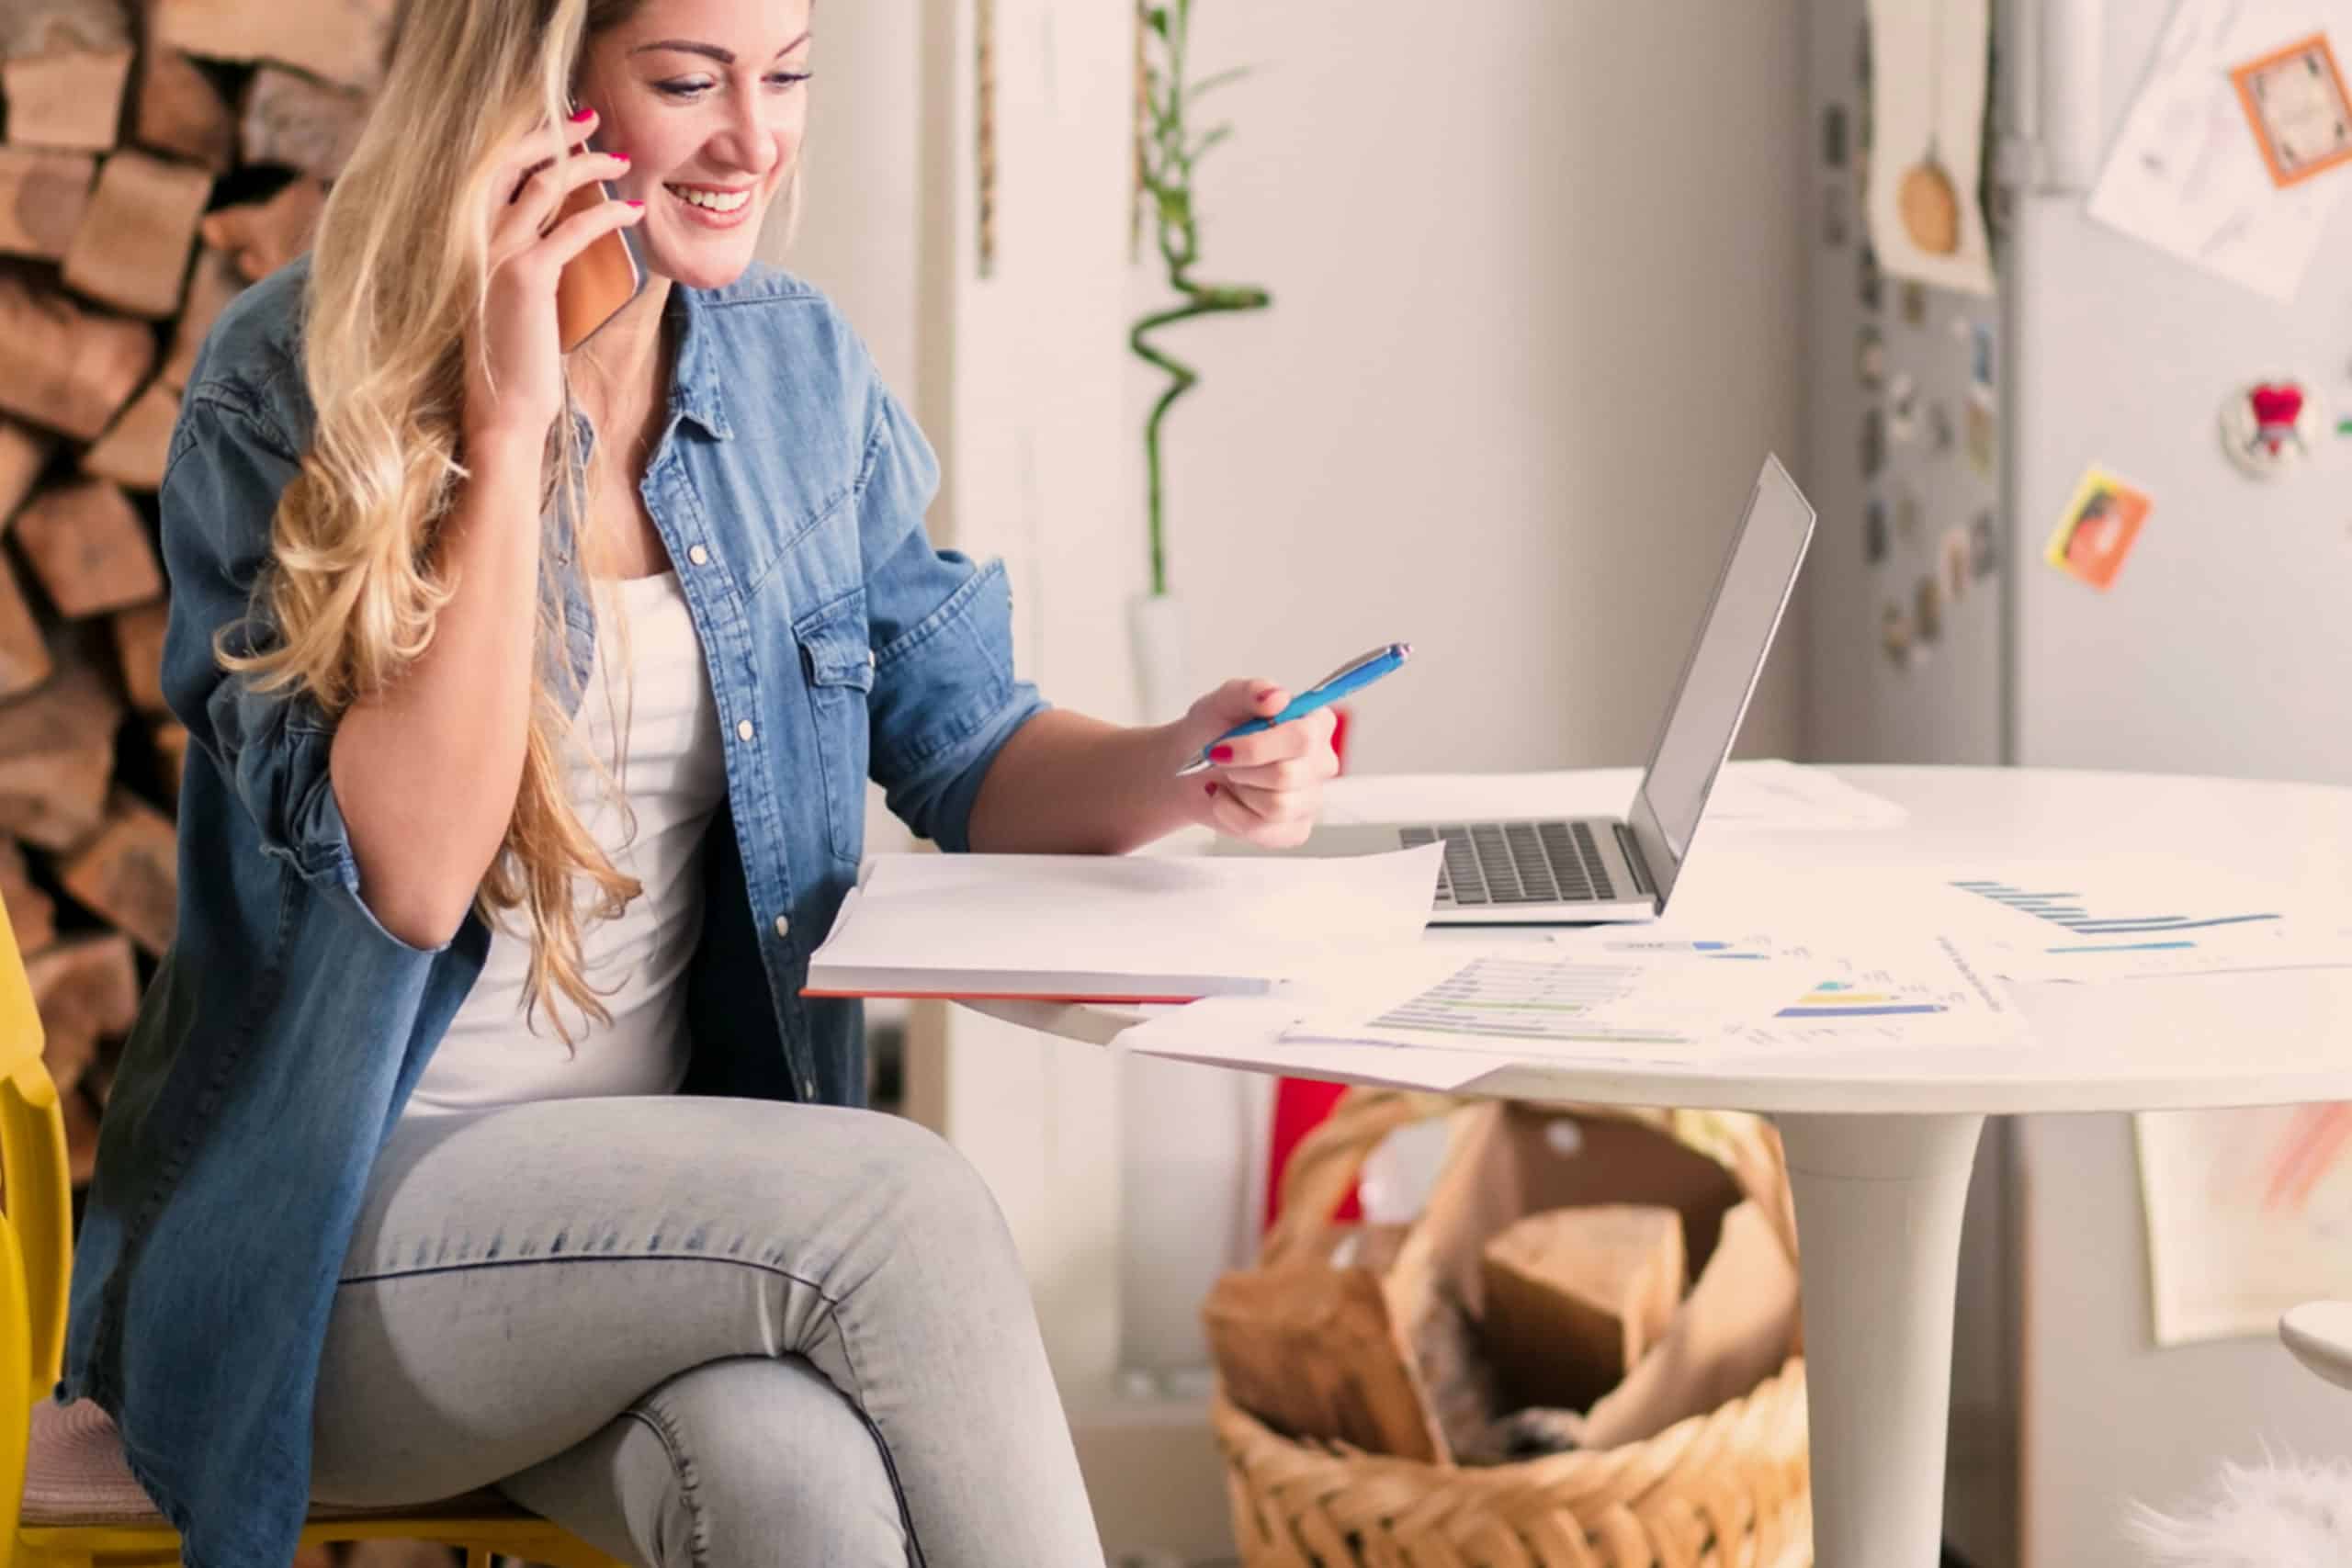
(1371, 1340)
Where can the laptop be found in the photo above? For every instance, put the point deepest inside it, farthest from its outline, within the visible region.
(1595, 870)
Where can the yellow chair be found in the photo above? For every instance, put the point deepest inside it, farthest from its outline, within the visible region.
(67, 1500)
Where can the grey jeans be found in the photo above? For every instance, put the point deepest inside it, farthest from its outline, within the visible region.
(705, 1332)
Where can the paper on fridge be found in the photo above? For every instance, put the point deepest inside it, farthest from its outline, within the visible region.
(2187, 174)
(1116, 928)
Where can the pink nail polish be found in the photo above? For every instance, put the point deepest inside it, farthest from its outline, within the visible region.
(639, 205)
(584, 115)
(621, 157)
(1212, 789)
(1220, 753)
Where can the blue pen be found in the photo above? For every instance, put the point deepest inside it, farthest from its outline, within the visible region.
(1352, 676)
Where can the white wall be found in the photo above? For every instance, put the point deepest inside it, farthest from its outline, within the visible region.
(1536, 270)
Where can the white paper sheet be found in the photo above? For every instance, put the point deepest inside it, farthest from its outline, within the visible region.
(1770, 795)
(1023, 924)
(2187, 176)
(1764, 795)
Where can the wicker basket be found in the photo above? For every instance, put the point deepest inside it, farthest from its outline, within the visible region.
(1728, 1489)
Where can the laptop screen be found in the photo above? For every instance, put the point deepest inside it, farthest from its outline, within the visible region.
(1720, 675)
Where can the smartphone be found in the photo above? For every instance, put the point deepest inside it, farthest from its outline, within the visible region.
(597, 283)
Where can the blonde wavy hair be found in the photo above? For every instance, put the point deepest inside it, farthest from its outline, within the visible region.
(399, 276)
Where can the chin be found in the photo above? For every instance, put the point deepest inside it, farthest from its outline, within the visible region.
(709, 267)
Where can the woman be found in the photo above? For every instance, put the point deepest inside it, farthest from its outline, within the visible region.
(391, 1204)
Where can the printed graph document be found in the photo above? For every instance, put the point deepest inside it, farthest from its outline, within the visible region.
(2122, 918)
(1632, 997)
(1446, 1015)
(1116, 928)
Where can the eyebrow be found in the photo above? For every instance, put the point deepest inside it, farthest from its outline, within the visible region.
(724, 56)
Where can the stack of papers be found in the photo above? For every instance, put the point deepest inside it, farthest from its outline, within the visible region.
(1116, 928)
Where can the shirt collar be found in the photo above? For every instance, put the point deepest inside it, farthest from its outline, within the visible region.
(694, 382)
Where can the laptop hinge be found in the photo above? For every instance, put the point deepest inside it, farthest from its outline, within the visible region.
(1631, 849)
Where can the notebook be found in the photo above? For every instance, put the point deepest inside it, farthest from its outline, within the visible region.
(1114, 928)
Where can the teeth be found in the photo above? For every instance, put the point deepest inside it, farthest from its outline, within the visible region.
(732, 202)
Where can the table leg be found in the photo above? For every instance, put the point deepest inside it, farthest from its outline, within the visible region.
(1878, 1202)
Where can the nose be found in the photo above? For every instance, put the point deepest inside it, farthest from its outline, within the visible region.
(749, 141)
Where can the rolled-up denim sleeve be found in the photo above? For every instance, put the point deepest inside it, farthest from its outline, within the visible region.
(227, 468)
(945, 698)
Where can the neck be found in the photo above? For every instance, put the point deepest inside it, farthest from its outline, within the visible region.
(624, 360)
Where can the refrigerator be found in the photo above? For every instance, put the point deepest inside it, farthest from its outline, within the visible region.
(2119, 397)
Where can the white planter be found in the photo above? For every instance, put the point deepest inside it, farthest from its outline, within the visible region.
(1160, 633)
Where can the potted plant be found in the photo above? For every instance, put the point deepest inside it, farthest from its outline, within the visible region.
(1168, 153)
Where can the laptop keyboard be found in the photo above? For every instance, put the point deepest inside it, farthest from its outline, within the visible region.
(1516, 862)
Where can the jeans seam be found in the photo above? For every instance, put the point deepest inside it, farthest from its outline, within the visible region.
(654, 1419)
(881, 1440)
(664, 1257)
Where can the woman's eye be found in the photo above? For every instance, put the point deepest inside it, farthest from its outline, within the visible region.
(695, 87)
(787, 78)
(683, 89)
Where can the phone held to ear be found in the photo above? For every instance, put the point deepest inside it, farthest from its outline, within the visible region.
(597, 283)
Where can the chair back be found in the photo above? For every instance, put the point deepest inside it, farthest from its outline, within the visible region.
(36, 1223)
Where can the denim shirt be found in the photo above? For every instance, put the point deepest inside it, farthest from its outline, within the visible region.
(285, 1026)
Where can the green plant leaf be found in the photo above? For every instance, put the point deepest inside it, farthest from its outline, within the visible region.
(1215, 80)
(1156, 19)
(1200, 147)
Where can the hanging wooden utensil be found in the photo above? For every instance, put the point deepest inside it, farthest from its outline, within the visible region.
(1928, 204)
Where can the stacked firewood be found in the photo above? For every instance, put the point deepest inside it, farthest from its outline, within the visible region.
(156, 156)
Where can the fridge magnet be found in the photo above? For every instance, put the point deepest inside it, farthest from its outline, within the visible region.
(2270, 426)
(1870, 358)
(1835, 230)
(1929, 73)
(2293, 98)
(1980, 355)
(1952, 557)
(1895, 634)
(1915, 304)
(1928, 609)
(1977, 416)
(1874, 532)
(2102, 522)
(1939, 427)
(2183, 174)
(1908, 510)
(1984, 546)
(1873, 443)
(1902, 407)
(1833, 135)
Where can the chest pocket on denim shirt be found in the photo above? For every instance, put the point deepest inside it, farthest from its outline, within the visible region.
(838, 663)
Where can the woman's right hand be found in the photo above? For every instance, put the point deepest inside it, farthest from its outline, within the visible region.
(514, 366)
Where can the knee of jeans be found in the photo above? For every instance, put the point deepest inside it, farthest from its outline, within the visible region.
(939, 1199)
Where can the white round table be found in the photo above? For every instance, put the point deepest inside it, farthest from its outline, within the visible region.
(1880, 1146)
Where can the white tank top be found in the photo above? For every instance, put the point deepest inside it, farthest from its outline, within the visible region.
(676, 780)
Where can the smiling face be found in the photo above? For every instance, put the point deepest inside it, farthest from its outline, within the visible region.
(708, 99)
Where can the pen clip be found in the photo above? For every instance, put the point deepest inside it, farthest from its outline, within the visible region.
(1352, 665)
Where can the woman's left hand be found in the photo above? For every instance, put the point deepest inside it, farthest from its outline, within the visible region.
(1266, 788)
